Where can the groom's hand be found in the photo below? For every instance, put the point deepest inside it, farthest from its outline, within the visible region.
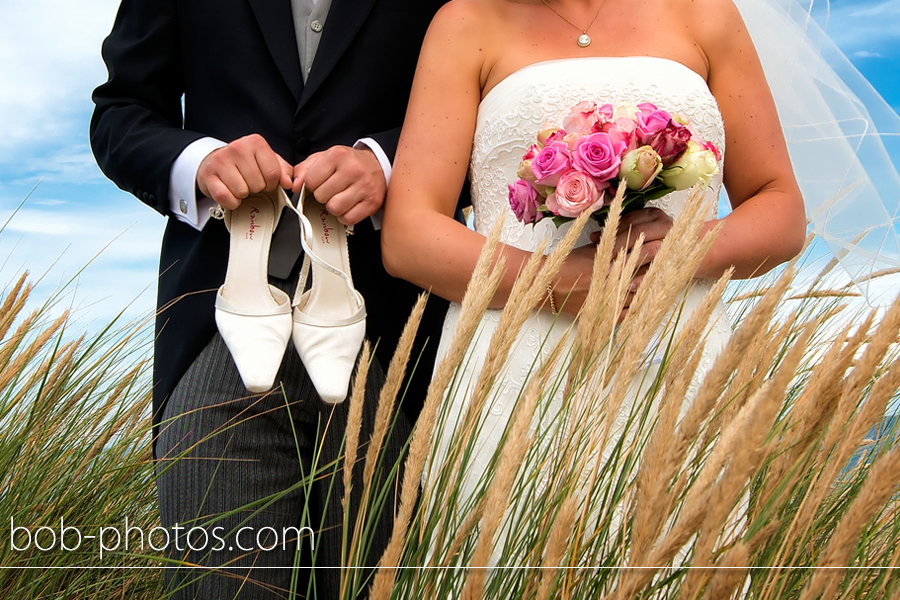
(248, 165)
(348, 181)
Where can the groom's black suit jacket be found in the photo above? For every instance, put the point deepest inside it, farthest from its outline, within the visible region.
(236, 64)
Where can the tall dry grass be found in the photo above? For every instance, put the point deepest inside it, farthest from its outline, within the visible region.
(75, 455)
(634, 465)
(750, 475)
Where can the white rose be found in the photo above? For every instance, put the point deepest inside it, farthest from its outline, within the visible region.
(640, 167)
(696, 165)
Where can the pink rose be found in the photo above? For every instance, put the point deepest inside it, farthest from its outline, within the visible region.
(622, 130)
(582, 119)
(559, 135)
(640, 167)
(606, 112)
(524, 201)
(670, 142)
(576, 193)
(650, 122)
(549, 135)
(598, 155)
(551, 162)
(531, 152)
(712, 148)
(647, 107)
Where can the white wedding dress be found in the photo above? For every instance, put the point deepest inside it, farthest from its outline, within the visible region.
(508, 119)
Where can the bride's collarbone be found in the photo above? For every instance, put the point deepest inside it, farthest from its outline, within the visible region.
(528, 32)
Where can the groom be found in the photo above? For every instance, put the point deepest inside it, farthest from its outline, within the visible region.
(206, 102)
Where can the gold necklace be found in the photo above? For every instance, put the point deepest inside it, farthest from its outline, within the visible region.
(584, 40)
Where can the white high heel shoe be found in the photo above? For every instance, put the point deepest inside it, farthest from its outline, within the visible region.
(330, 317)
(253, 317)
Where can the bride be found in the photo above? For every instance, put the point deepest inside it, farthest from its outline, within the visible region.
(492, 73)
(529, 51)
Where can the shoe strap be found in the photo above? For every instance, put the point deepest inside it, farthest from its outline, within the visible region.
(283, 305)
(309, 255)
(301, 317)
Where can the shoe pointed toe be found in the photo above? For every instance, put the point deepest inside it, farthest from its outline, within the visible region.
(329, 353)
(256, 342)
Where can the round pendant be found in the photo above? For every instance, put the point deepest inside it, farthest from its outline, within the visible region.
(584, 40)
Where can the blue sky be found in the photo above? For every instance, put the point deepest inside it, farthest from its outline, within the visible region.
(869, 34)
(50, 62)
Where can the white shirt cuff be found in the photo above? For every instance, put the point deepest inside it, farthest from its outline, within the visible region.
(385, 163)
(184, 202)
(383, 160)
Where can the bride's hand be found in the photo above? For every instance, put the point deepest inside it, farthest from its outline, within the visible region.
(654, 224)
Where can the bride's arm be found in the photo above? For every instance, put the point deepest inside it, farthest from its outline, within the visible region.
(768, 223)
(421, 241)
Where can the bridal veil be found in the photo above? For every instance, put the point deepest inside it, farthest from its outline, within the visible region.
(841, 135)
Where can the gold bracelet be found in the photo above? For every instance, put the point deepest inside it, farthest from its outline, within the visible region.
(550, 296)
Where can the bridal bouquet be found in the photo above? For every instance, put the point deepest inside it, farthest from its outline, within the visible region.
(579, 166)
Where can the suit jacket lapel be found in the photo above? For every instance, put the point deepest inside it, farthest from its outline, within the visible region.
(345, 18)
(276, 21)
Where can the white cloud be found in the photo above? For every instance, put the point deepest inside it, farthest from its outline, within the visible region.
(49, 63)
(50, 203)
(72, 164)
(879, 9)
(88, 228)
(866, 54)
(864, 26)
(110, 249)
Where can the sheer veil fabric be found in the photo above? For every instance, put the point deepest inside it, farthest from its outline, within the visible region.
(841, 135)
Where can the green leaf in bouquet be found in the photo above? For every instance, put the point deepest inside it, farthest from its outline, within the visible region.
(655, 191)
(559, 220)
